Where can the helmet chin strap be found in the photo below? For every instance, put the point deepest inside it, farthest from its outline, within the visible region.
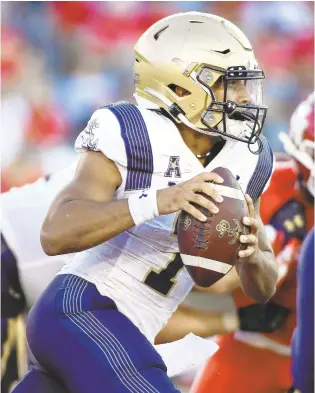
(184, 120)
(236, 128)
(180, 116)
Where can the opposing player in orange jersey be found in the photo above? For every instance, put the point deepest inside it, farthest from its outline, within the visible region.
(256, 358)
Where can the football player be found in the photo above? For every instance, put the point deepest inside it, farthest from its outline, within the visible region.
(300, 144)
(199, 96)
(260, 350)
(25, 269)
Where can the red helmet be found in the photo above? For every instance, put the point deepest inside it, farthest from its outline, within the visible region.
(299, 143)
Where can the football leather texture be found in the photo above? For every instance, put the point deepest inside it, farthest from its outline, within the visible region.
(210, 249)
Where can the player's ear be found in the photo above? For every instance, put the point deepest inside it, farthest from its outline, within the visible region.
(179, 91)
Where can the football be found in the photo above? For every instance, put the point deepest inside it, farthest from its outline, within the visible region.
(210, 249)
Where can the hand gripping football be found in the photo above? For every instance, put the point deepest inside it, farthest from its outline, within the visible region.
(210, 249)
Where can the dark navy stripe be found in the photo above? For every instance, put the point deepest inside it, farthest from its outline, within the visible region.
(262, 171)
(137, 144)
(101, 341)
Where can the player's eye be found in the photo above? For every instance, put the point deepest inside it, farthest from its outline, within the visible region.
(235, 84)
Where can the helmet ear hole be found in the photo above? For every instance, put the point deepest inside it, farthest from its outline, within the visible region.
(178, 90)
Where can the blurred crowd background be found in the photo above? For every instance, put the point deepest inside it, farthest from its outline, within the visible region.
(61, 61)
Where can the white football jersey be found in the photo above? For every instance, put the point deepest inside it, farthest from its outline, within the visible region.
(23, 210)
(140, 269)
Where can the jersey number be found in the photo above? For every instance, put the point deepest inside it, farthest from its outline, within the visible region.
(162, 281)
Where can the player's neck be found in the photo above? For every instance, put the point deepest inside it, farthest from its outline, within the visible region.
(199, 144)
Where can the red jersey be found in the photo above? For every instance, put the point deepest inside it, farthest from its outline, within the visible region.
(287, 218)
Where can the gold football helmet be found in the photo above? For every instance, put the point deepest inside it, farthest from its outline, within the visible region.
(196, 51)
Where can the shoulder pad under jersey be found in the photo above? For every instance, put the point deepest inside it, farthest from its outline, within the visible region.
(120, 133)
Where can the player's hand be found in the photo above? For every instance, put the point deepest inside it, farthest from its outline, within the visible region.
(251, 240)
(181, 196)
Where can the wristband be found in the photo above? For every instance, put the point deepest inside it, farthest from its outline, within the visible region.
(230, 322)
(143, 206)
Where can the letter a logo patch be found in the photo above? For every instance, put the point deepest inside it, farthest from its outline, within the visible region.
(173, 167)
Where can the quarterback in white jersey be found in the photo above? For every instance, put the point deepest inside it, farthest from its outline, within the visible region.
(198, 89)
(142, 266)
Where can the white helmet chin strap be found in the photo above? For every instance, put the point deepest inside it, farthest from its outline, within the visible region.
(301, 156)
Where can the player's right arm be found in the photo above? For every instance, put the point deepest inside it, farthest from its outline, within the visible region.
(85, 215)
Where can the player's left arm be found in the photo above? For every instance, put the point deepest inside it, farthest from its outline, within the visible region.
(256, 266)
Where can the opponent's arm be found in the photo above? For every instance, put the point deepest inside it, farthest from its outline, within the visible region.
(202, 323)
(225, 285)
(262, 318)
(257, 266)
(85, 215)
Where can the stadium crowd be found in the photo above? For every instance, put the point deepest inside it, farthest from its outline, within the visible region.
(62, 60)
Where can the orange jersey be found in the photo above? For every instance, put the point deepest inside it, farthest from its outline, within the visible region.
(288, 218)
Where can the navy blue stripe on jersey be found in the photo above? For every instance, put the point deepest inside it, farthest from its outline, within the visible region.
(262, 171)
(137, 144)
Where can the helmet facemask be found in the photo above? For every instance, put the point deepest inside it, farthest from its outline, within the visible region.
(224, 115)
(242, 122)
